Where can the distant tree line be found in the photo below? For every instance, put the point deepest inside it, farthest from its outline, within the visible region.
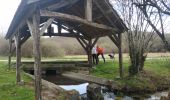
(59, 46)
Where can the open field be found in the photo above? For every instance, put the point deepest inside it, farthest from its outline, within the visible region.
(84, 57)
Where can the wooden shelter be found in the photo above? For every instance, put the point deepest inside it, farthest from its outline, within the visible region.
(85, 20)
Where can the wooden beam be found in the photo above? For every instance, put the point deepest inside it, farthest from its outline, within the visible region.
(114, 40)
(61, 4)
(120, 56)
(67, 17)
(25, 39)
(89, 53)
(62, 35)
(83, 40)
(59, 27)
(88, 10)
(81, 43)
(75, 28)
(46, 25)
(18, 57)
(95, 41)
(33, 25)
(104, 13)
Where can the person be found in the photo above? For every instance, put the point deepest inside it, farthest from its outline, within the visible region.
(100, 51)
(94, 55)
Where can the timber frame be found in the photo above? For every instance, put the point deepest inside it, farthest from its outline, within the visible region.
(85, 20)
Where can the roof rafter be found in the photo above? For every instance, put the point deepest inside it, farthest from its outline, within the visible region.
(67, 17)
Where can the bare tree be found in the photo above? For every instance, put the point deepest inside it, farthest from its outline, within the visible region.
(139, 36)
(161, 8)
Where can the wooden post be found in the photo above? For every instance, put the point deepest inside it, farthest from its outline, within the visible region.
(10, 54)
(120, 55)
(89, 53)
(18, 58)
(59, 27)
(88, 10)
(33, 25)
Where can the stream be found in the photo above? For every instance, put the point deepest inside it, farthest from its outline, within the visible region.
(80, 86)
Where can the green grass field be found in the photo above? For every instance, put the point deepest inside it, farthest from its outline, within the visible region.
(8, 88)
(156, 74)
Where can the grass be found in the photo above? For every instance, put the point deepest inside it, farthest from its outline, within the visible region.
(8, 88)
(154, 77)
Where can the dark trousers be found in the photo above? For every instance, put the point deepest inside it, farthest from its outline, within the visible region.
(102, 57)
(94, 57)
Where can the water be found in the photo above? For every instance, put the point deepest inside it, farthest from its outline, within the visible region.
(81, 87)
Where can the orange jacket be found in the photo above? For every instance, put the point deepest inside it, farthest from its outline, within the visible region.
(100, 50)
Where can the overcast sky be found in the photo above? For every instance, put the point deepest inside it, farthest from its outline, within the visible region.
(7, 11)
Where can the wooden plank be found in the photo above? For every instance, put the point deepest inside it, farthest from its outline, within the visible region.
(33, 25)
(61, 4)
(89, 78)
(72, 18)
(104, 13)
(62, 35)
(18, 58)
(88, 10)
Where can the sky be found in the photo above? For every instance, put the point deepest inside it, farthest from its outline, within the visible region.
(7, 11)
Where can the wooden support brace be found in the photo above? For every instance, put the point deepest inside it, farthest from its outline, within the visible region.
(46, 25)
(114, 41)
(95, 41)
(81, 43)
